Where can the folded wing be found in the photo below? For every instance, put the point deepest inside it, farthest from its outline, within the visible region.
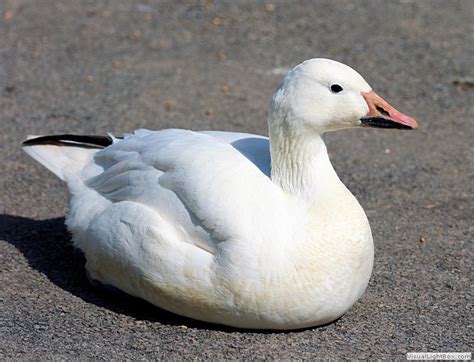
(209, 190)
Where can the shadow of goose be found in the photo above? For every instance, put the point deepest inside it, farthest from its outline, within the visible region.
(47, 246)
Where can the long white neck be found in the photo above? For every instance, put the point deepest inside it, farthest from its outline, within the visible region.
(300, 164)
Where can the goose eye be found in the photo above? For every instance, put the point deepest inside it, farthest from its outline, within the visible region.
(336, 88)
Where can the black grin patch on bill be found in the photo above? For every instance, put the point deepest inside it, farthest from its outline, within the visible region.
(380, 122)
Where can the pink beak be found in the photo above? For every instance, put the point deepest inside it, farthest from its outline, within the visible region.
(383, 115)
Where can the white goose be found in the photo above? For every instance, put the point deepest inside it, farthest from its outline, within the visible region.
(230, 228)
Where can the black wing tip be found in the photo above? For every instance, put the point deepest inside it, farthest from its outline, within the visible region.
(70, 140)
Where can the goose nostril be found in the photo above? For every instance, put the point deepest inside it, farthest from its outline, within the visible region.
(383, 111)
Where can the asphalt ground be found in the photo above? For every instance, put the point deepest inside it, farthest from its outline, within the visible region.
(114, 66)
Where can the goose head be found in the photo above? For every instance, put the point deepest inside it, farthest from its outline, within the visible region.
(322, 95)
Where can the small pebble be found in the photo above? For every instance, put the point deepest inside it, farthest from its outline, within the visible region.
(136, 34)
(209, 113)
(116, 65)
(8, 15)
(183, 328)
(387, 150)
(10, 88)
(225, 89)
(464, 82)
(216, 20)
(423, 239)
(221, 56)
(105, 14)
(169, 105)
(269, 7)
(210, 7)
(163, 44)
(90, 78)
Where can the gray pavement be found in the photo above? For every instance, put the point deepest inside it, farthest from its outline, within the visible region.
(114, 66)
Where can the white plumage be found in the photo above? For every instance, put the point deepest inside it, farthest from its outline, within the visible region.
(225, 227)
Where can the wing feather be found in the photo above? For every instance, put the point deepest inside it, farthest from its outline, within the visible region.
(200, 183)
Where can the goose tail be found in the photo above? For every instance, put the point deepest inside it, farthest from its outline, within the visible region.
(65, 155)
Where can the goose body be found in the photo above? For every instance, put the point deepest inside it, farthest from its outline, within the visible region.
(229, 228)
